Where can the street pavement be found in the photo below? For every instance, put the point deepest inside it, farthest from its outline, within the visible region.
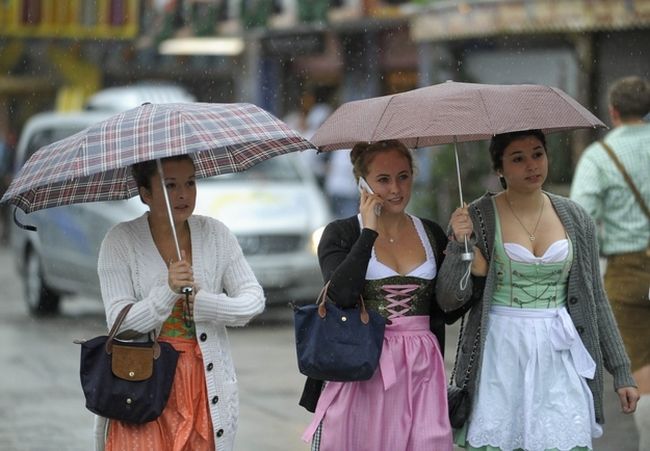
(42, 406)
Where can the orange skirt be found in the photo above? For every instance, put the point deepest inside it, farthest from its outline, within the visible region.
(185, 423)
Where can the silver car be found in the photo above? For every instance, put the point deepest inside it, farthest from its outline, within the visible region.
(276, 210)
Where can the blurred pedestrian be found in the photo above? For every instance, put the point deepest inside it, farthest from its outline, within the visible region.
(390, 258)
(620, 206)
(536, 343)
(340, 185)
(312, 113)
(138, 263)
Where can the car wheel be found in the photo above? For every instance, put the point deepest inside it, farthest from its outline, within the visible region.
(40, 299)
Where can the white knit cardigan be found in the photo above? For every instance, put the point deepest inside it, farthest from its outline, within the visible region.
(132, 271)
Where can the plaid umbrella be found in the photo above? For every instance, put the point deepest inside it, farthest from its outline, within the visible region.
(452, 112)
(94, 164)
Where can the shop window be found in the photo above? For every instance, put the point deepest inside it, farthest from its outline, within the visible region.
(256, 13)
(117, 11)
(32, 12)
(313, 10)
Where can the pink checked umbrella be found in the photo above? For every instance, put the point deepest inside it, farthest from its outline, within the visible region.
(452, 112)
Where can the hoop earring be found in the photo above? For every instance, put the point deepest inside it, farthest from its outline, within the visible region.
(502, 180)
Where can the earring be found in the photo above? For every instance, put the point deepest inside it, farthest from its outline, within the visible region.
(502, 180)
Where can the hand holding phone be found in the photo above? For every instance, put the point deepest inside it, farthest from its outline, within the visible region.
(363, 186)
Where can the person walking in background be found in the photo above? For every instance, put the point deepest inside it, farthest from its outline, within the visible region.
(138, 264)
(537, 341)
(391, 259)
(600, 186)
(340, 185)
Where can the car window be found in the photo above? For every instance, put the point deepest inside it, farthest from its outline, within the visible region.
(48, 136)
(279, 169)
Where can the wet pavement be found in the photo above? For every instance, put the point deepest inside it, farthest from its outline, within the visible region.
(42, 407)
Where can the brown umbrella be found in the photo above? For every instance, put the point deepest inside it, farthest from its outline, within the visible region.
(452, 112)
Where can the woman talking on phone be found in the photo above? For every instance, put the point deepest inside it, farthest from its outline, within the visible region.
(390, 258)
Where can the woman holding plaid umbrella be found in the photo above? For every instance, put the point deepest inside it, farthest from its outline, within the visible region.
(138, 264)
(535, 345)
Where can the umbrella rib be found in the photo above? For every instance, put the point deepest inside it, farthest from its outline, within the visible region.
(485, 112)
(374, 132)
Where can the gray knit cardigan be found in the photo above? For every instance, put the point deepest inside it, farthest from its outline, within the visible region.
(586, 301)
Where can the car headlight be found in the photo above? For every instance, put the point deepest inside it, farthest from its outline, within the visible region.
(315, 239)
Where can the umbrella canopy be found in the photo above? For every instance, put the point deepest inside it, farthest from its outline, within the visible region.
(452, 111)
(94, 164)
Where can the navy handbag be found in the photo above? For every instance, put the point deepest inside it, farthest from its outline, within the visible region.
(126, 381)
(336, 344)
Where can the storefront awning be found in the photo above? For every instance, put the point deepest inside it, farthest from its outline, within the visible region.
(444, 21)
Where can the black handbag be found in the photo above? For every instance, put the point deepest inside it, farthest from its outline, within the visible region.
(127, 381)
(336, 344)
(459, 402)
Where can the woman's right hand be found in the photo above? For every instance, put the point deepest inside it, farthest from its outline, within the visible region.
(367, 205)
(180, 274)
(461, 224)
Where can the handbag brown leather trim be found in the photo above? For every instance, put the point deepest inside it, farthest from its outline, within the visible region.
(130, 361)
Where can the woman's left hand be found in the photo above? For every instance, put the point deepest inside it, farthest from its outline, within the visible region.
(628, 397)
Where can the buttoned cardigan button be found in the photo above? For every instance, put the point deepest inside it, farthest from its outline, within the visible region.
(210, 366)
(219, 432)
(203, 336)
(215, 399)
(573, 300)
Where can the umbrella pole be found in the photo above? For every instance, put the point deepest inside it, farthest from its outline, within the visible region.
(185, 290)
(169, 207)
(460, 184)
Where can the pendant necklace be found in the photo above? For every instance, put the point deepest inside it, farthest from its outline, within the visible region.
(391, 239)
(531, 236)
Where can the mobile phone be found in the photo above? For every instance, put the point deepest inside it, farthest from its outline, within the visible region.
(363, 186)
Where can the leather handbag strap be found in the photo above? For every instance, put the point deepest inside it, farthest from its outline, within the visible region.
(322, 311)
(116, 327)
(118, 321)
(626, 176)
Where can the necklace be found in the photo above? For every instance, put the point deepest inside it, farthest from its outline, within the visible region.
(531, 236)
(391, 239)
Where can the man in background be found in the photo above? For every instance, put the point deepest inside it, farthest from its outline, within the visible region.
(601, 187)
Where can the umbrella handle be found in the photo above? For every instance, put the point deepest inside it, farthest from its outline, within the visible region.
(468, 255)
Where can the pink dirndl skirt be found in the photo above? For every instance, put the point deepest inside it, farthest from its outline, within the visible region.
(403, 407)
